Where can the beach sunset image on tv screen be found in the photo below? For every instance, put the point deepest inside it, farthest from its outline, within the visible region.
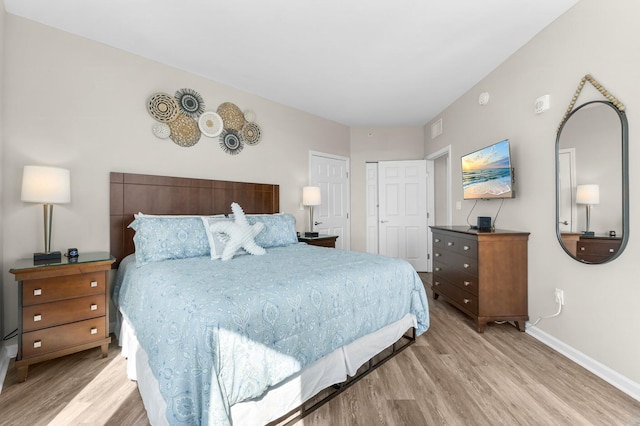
(486, 173)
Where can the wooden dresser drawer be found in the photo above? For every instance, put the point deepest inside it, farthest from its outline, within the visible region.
(466, 301)
(35, 317)
(62, 287)
(40, 342)
(465, 282)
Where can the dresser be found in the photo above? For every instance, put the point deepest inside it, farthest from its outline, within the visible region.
(64, 308)
(597, 249)
(483, 274)
(320, 241)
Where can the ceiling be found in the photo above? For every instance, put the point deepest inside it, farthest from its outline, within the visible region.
(356, 62)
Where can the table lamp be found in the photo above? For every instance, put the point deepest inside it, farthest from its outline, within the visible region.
(49, 186)
(588, 195)
(311, 197)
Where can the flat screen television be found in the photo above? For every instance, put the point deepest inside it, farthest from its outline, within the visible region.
(487, 173)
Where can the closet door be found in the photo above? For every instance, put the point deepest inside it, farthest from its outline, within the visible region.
(402, 212)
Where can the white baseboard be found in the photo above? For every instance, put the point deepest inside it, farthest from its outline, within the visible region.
(616, 379)
(6, 353)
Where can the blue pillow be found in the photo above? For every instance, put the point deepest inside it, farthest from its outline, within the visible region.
(279, 229)
(161, 238)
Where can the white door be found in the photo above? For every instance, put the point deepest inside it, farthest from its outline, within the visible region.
(331, 217)
(402, 197)
(567, 184)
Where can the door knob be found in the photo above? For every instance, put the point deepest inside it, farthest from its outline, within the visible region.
(384, 221)
(317, 223)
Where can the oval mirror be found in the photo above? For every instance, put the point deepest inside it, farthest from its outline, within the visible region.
(592, 179)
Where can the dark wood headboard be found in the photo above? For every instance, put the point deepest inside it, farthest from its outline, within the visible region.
(133, 193)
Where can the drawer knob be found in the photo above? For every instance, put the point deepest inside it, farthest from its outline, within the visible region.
(450, 243)
(37, 292)
(437, 240)
(467, 283)
(466, 247)
(436, 283)
(437, 255)
(466, 266)
(438, 269)
(94, 283)
(611, 250)
(467, 301)
(37, 344)
(94, 330)
(582, 248)
(37, 317)
(94, 307)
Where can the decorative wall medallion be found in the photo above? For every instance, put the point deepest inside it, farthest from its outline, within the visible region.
(190, 101)
(232, 116)
(249, 115)
(210, 124)
(163, 107)
(250, 133)
(184, 131)
(230, 142)
(161, 130)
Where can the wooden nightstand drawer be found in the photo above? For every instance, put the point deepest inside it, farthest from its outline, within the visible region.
(40, 342)
(45, 290)
(36, 317)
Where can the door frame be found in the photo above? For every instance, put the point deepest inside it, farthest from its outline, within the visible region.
(443, 152)
(347, 242)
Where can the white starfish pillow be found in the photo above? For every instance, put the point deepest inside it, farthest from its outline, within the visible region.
(240, 233)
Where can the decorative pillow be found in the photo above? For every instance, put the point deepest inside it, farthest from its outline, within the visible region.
(280, 229)
(162, 238)
(217, 240)
(240, 234)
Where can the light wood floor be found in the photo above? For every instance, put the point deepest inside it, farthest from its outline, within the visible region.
(450, 376)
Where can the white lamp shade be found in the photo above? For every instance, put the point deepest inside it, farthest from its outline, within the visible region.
(588, 194)
(49, 185)
(311, 196)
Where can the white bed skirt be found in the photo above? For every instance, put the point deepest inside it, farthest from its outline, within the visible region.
(281, 399)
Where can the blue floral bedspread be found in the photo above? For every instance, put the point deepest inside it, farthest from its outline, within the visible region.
(223, 332)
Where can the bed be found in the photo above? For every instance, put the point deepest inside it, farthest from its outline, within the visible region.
(255, 339)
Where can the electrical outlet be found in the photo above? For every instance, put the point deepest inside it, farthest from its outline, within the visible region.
(560, 296)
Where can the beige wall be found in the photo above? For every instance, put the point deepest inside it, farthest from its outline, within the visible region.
(376, 144)
(601, 314)
(2, 264)
(78, 104)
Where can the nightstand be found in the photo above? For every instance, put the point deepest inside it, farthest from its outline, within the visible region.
(320, 241)
(64, 308)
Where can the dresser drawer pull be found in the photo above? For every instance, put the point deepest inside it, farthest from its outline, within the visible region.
(437, 240)
(438, 269)
(437, 255)
(450, 243)
(37, 292)
(37, 317)
(94, 307)
(466, 248)
(94, 330)
(466, 266)
(467, 283)
(611, 250)
(582, 249)
(436, 283)
(94, 283)
(467, 301)
(37, 344)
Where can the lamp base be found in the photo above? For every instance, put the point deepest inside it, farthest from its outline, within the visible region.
(51, 257)
(589, 233)
(311, 234)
